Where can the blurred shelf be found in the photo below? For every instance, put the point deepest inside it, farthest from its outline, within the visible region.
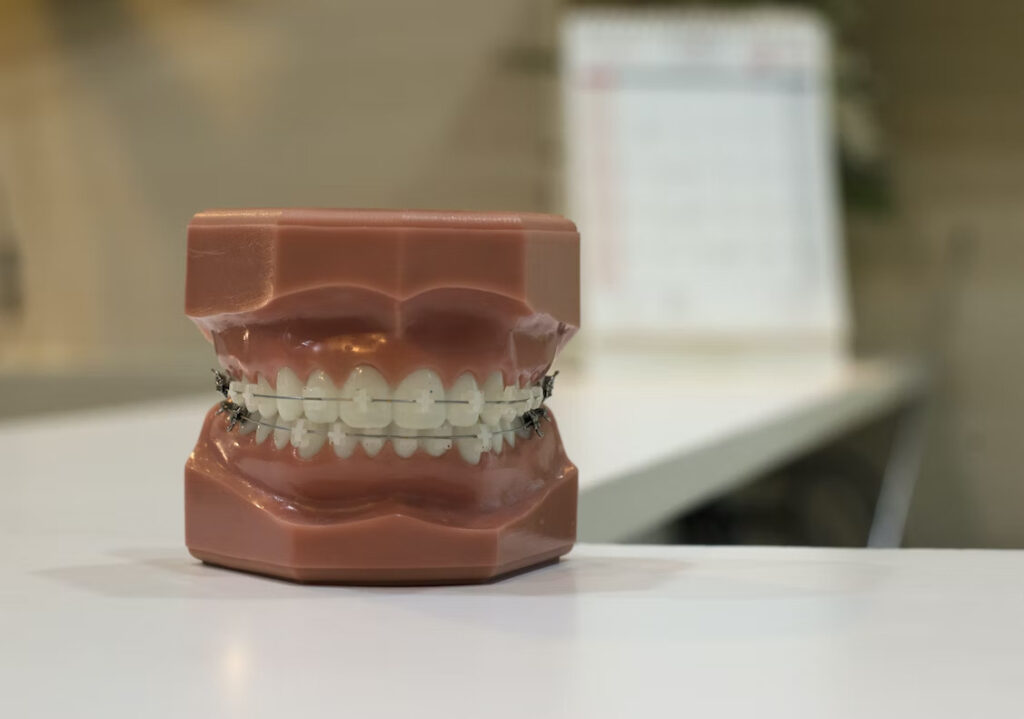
(653, 440)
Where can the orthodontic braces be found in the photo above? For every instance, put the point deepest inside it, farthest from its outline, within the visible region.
(530, 420)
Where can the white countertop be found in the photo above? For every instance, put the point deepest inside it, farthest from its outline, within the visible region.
(117, 623)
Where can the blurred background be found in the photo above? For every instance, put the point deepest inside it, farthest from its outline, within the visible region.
(837, 180)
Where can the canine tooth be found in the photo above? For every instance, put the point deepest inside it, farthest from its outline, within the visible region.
(436, 447)
(314, 440)
(404, 446)
(357, 407)
(423, 387)
(493, 391)
(289, 385)
(342, 440)
(470, 447)
(235, 391)
(320, 410)
(282, 436)
(263, 430)
(465, 389)
(266, 405)
(508, 436)
(372, 445)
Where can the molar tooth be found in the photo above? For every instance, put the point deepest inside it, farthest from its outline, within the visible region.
(249, 426)
(424, 388)
(465, 389)
(357, 407)
(288, 385)
(249, 397)
(493, 390)
(436, 447)
(509, 436)
(320, 410)
(512, 405)
(342, 440)
(313, 440)
(266, 405)
(470, 447)
(373, 445)
(404, 446)
(536, 397)
(235, 391)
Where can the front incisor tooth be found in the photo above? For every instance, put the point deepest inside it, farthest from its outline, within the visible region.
(289, 385)
(494, 391)
(266, 405)
(418, 406)
(373, 444)
(324, 408)
(434, 446)
(403, 440)
(465, 389)
(357, 407)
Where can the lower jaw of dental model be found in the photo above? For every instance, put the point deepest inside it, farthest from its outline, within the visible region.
(318, 482)
(384, 377)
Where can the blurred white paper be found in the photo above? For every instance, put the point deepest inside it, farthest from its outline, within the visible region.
(700, 171)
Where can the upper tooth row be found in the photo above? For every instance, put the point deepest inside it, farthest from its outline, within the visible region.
(367, 401)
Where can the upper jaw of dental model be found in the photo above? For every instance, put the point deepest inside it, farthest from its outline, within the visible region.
(419, 414)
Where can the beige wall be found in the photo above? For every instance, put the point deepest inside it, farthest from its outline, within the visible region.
(118, 120)
(952, 104)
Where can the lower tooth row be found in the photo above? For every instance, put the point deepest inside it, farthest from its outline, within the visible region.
(310, 437)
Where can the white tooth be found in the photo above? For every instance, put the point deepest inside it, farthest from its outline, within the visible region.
(419, 408)
(509, 436)
(536, 397)
(436, 447)
(465, 389)
(299, 438)
(342, 440)
(249, 426)
(282, 436)
(249, 397)
(320, 410)
(513, 406)
(289, 385)
(372, 445)
(469, 447)
(406, 445)
(266, 406)
(357, 407)
(497, 439)
(494, 389)
(314, 440)
(263, 431)
(235, 391)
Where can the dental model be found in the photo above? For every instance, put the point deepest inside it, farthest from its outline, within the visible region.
(383, 379)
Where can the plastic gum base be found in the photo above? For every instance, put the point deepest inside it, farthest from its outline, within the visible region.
(335, 289)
